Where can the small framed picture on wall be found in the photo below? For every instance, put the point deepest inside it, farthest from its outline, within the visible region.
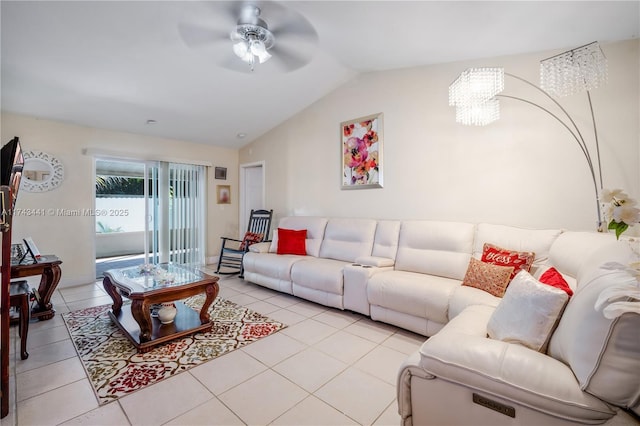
(221, 173)
(223, 194)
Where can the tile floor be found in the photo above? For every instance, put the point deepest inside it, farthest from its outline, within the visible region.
(329, 367)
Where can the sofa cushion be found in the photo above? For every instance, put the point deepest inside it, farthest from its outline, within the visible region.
(538, 241)
(347, 239)
(519, 260)
(603, 353)
(320, 274)
(527, 313)
(464, 296)
(570, 250)
(488, 277)
(420, 295)
(292, 241)
(385, 243)
(435, 248)
(315, 232)
(271, 264)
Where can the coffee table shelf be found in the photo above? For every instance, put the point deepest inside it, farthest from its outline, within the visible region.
(186, 322)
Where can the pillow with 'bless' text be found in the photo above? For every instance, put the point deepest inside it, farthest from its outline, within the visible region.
(519, 260)
(291, 241)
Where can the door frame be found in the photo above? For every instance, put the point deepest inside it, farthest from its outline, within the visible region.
(243, 214)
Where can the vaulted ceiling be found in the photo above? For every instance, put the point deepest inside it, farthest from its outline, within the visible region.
(119, 64)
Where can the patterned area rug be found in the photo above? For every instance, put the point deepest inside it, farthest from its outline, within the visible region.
(116, 369)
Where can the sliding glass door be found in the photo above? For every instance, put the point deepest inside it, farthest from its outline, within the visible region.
(158, 213)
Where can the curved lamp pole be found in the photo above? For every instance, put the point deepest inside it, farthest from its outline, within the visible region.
(577, 135)
(474, 95)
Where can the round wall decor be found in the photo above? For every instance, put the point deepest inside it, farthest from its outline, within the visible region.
(42, 172)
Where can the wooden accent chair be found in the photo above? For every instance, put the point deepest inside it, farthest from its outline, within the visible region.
(233, 250)
(19, 294)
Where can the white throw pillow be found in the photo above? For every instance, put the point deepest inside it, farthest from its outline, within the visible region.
(527, 313)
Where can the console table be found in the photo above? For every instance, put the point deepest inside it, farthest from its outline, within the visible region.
(48, 267)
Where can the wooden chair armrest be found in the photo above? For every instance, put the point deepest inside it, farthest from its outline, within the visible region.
(230, 239)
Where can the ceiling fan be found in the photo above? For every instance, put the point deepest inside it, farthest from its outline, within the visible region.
(288, 41)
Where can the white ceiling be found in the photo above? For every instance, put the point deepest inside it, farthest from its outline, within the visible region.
(117, 64)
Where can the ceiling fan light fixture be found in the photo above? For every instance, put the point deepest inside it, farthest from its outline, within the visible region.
(251, 37)
(241, 49)
(258, 49)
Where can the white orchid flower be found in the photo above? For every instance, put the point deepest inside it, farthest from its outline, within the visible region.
(626, 213)
(609, 196)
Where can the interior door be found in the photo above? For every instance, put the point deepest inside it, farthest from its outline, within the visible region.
(252, 192)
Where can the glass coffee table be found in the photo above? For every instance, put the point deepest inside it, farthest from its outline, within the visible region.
(163, 283)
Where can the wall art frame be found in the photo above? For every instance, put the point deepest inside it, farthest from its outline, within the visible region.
(223, 194)
(221, 173)
(361, 142)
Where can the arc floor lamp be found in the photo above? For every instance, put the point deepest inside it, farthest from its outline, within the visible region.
(475, 95)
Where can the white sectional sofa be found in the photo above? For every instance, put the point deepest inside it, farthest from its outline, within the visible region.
(409, 273)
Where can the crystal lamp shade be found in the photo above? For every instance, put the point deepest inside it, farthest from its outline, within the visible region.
(577, 70)
(473, 94)
(478, 115)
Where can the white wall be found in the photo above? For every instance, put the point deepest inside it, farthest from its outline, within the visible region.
(524, 170)
(72, 237)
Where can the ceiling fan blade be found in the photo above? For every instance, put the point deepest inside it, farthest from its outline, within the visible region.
(288, 59)
(288, 22)
(198, 35)
(298, 30)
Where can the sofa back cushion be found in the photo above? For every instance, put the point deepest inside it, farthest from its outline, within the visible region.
(538, 241)
(436, 248)
(315, 227)
(604, 353)
(346, 239)
(385, 243)
(569, 252)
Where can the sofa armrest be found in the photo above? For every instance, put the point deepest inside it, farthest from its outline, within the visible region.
(462, 353)
(260, 247)
(409, 369)
(378, 262)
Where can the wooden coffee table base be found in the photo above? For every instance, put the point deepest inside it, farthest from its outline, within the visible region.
(187, 322)
(145, 331)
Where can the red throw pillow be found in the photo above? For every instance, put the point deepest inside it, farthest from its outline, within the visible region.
(553, 278)
(291, 241)
(519, 260)
(250, 238)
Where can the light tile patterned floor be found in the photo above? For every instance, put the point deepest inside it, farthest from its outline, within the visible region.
(329, 367)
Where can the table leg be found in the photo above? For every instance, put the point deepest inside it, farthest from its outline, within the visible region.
(141, 311)
(211, 292)
(48, 283)
(114, 293)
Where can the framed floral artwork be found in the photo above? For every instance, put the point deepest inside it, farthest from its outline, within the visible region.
(361, 144)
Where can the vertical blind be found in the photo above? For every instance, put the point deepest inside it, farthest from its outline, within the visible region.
(186, 213)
